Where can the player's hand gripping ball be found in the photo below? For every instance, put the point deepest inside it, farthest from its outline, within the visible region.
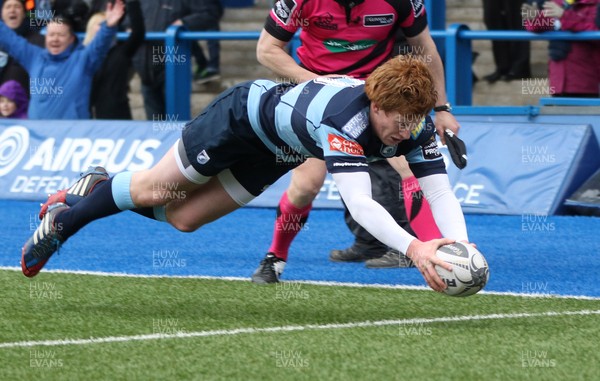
(470, 271)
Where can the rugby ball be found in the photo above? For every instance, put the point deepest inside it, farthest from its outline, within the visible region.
(470, 271)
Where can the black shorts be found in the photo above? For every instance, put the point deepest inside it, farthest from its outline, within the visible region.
(220, 142)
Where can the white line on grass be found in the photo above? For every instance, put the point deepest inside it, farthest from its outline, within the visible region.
(290, 328)
(311, 282)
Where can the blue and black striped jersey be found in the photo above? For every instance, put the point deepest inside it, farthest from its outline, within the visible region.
(328, 118)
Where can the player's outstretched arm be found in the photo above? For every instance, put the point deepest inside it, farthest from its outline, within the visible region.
(355, 189)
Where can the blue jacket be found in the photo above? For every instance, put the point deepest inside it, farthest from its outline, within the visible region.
(60, 84)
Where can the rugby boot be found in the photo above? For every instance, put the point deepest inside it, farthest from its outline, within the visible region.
(391, 259)
(82, 187)
(269, 270)
(46, 240)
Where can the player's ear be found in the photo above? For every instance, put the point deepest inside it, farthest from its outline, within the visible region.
(375, 108)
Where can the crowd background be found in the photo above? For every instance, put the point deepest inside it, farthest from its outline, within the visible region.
(238, 60)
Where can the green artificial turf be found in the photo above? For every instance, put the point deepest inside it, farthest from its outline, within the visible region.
(56, 306)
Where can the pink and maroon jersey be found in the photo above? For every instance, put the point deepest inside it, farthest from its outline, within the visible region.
(334, 36)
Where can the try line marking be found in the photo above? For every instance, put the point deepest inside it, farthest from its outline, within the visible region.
(311, 282)
(290, 328)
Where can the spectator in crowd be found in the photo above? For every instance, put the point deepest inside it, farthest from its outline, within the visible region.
(149, 60)
(510, 57)
(14, 16)
(110, 85)
(76, 11)
(574, 66)
(13, 100)
(208, 69)
(343, 44)
(61, 74)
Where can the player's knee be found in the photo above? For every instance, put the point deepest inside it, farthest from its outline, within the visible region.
(305, 189)
(185, 226)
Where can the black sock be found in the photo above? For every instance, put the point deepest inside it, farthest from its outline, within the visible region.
(98, 204)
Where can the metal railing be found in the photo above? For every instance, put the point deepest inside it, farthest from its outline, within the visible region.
(457, 50)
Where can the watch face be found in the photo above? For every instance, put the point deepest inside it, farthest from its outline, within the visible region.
(445, 107)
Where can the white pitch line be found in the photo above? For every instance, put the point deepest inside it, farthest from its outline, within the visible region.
(310, 282)
(290, 328)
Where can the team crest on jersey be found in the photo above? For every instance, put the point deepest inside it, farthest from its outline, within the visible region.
(356, 125)
(338, 143)
(283, 10)
(418, 7)
(378, 20)
(388, 151)
(203, 157)
(326, 22)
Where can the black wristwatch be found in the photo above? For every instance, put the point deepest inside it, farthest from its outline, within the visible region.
(445, 107)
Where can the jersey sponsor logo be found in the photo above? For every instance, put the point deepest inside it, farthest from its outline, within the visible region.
(203, 157)
(325, 22)
(378, 20)
(346, 164)
(340, 46)
(356, 125)
(418, 7)
(414, 134)
(430, 150)
(338, 143)
(388, 151)
(283, 10)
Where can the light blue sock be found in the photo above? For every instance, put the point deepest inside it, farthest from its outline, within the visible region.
(120, 190)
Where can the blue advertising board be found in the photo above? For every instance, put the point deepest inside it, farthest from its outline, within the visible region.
(41, 157)
(514, 168)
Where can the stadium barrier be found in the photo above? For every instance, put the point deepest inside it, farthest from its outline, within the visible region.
(457, 58)
(36, 160)
(515, 167)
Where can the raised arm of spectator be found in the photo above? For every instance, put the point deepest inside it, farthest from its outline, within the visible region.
(427, 50)
(18, 47)
(271, 53)
(97, 49)
(138, 28)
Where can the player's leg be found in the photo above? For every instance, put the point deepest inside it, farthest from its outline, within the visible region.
(76, 192)
(292, 212)
(124, 191)
(207, 203)
(417, 208)
(295, 205)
